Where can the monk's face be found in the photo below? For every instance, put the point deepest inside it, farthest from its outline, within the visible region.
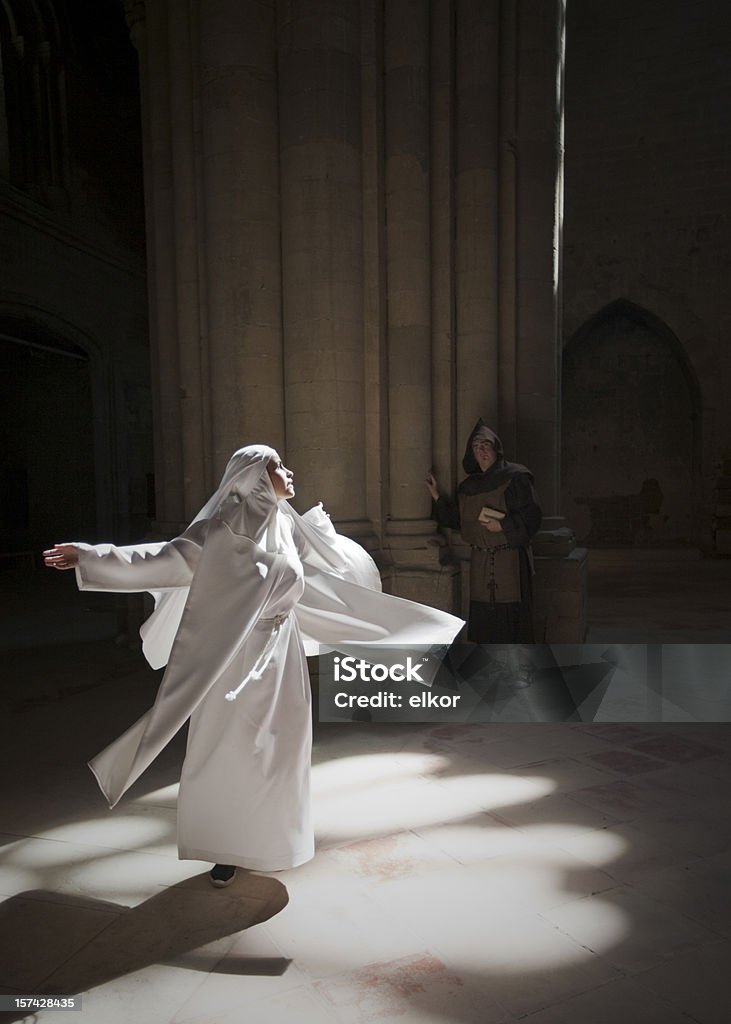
(282, 478)
(484, 453)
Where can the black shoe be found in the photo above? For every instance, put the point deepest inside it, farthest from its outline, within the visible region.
(222, 875)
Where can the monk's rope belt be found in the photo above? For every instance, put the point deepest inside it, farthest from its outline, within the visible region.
(492, 584)
(259, 667)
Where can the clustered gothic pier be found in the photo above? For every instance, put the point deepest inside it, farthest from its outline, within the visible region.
(353, 216)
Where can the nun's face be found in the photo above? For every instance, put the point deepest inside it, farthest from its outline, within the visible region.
(282, 478)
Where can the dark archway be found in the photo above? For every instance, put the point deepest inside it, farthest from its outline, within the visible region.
(630, 431)
(47, 480)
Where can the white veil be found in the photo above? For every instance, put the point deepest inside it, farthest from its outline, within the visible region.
(245, 496)
(244, 471)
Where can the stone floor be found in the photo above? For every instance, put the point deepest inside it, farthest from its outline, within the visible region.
(542, 872)
(657, 595)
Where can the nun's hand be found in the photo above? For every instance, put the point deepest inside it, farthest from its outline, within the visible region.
(432, 486)
(61, 556)
(493, 525)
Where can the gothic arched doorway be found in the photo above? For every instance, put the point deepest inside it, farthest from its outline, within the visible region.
(630, 461)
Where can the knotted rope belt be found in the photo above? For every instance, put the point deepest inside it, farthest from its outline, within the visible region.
(492, 584)
(259, 667)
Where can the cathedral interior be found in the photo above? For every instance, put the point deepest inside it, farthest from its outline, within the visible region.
(350, 229)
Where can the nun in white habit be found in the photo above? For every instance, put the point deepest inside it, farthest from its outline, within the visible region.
(241, 596)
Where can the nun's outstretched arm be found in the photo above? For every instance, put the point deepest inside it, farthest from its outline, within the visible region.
(163, 565)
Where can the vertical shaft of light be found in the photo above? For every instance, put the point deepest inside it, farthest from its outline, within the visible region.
(558, 237)
(540, 34)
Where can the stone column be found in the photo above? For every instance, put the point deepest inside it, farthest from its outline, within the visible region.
(411, 539)
(194, 392)
(211, 162)
(507, 214)
(149, 32)
(374, 244)
(539, 191)
(477, 215)
(442, 158)
(561, 567)
(443, 206)
(475, 114)
(322, 253)
(241, 227)
(148, 25)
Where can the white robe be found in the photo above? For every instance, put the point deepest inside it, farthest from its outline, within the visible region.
(227, 606)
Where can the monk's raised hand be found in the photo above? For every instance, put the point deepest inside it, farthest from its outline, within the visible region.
(432, 486)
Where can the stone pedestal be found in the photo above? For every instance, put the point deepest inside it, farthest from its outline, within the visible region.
(440, 588)
(419, 566)
(560, 584)
(429, 574)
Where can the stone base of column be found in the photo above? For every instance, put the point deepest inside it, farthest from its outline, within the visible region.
(418, 565)
(414, 544)
(439, 588)
(560, 584)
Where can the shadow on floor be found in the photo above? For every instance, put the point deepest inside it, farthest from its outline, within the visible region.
(97, 941)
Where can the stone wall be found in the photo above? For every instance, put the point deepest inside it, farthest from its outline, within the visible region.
(647, 223)
(73, 322)
(353, 243)
(352, 220)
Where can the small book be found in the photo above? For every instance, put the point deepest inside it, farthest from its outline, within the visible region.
(487, 512)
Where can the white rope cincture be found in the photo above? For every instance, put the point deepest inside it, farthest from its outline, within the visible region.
(260, 665)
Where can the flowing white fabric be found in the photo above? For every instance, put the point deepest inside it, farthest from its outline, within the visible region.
(238, 596)
(244, 482)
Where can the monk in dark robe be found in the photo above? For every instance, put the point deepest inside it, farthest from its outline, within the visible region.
(497, 513)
